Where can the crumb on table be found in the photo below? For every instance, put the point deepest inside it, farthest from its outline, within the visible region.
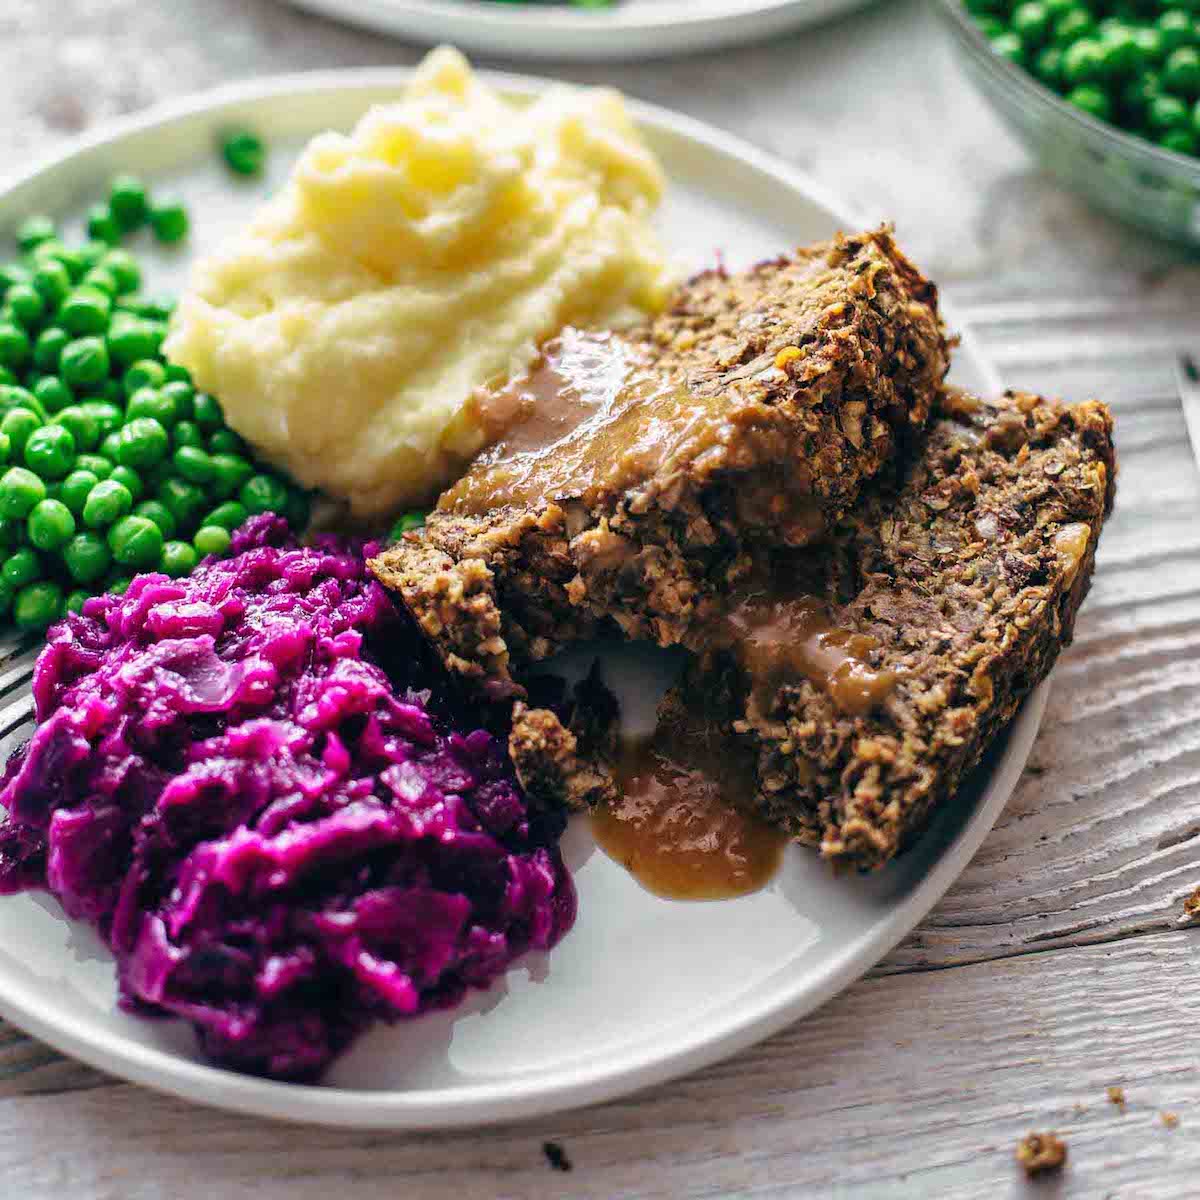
(1169, 1119)
(1038, 1152)
(1191, 905)
(1116, 1095)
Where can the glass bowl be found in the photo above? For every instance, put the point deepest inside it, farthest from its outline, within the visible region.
(1125, 175)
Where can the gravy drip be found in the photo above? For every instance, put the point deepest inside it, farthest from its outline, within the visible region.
(683, 828)
(590, 419)
(781, 638)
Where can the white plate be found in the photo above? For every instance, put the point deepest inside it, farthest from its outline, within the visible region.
(642, 989)
(631, 29)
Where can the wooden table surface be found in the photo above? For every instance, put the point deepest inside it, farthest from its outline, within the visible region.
(1056, 966)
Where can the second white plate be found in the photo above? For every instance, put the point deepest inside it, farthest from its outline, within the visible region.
(630, 29)
(643, 988)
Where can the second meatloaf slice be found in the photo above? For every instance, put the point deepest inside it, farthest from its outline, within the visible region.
(749, 414)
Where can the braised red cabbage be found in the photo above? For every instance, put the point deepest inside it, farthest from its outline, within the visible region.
(280, 840)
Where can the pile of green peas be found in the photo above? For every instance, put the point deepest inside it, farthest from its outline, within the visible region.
(111, 462)
(1134, 63)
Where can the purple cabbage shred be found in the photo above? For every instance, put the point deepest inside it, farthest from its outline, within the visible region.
(280, 840)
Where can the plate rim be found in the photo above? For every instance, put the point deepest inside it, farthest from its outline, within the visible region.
(511, 1098)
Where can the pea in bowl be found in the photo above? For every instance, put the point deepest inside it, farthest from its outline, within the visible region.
(1149, 185)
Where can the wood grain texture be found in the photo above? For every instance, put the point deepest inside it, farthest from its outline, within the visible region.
(1055, 966)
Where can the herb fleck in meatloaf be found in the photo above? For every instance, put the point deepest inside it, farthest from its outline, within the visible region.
(961, 580)
(810, 371)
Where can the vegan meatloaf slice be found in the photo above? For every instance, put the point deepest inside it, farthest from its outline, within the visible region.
(817, 366)
(961, 580)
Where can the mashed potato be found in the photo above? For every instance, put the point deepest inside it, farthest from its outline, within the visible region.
(407, 264)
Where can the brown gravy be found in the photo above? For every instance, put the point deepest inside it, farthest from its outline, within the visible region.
(778, 638)
(590, 419)
(683, 829)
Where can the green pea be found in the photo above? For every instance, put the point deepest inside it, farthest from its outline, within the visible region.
(143, 443)
(128, 203)
(147, 372)
(1031, 22)
(34, 230)
(50, 525)
(185, 500)
(48, 347)
(159, 513)
(108, 417)
(14, 344)
(86, 310)
(243, 151)
(1083, 62)
(131, 340)
(130, 479)
(169, 220)
(1166, 112)
(410, 520)
(1072, 24)
(19, 424)
(124, 269)
(21, 568)
(20, 492)
(206, 412)
(1180, 74)
(1182, 141)
(26, 304)
(76, 600)
(119, 585)
(136, 542)
(97, 464)
(178, 374)
(211, 539)
(51, 394)
(225, 441)
(1091, 100)
(12, 397)
(55, 252)
(90, 254)
(181, 396)
(107, 502)
(194, 464)
(37, 606)
(5, 447)
(1175, 29)
(151, 402)
(229, 473)
(263, 493)
(82, 425)
(1149, 43)
(178, 559)
(110, 445)
(75, 489)
(1048, 65)
(84, 362)
(13, 272)
(1009, 45)
(229, 515)
(7, 376)
(187, 433)
(87, 557)
(50, 451)
(102, 280)
(102, 226)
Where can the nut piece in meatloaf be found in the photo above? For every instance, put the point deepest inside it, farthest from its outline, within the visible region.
(750, 413)
(913, 634)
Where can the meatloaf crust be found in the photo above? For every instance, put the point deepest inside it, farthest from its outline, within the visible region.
(828, 361)
(967, 571)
